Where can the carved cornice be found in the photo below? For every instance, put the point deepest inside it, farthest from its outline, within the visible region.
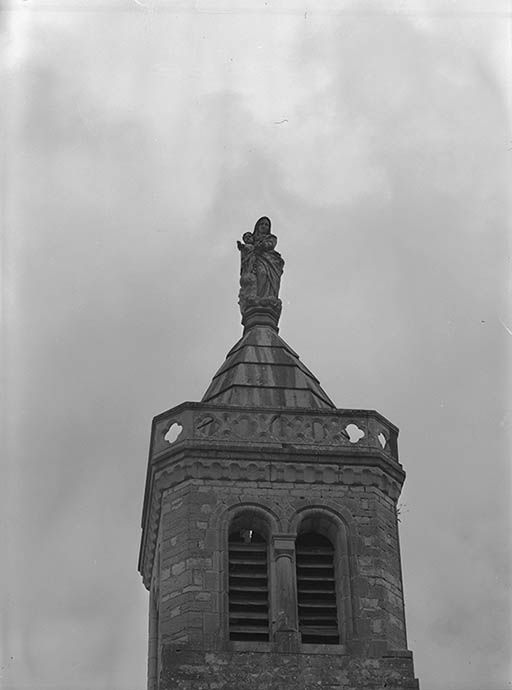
(178, 468)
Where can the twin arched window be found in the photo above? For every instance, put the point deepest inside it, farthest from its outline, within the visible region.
(317, 572)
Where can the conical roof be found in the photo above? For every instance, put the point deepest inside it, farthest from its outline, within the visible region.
(261, 370)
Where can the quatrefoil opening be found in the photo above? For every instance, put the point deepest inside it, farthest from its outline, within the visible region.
(354, 433)
(174, 431)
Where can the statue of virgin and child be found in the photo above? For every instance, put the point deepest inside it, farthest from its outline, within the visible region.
(261, 267)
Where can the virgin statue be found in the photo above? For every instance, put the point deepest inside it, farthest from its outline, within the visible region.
(261, 266)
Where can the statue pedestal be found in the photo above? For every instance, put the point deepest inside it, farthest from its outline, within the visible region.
(265, 312)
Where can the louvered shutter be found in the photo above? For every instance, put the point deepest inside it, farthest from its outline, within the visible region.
(316, 589)
(248, 586)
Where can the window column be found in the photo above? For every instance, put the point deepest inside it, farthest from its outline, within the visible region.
(285, 610)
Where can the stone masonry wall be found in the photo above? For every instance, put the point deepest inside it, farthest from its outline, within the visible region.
(196, 670)
(193, 584)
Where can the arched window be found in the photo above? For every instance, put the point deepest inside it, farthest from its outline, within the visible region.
(316, 589)
(248, 580)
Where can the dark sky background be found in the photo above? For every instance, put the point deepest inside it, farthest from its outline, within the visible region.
(142, 139)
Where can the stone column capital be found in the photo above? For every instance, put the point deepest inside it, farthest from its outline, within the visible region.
(284, 545)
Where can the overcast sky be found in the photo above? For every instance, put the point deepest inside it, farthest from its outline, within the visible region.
(143, 138)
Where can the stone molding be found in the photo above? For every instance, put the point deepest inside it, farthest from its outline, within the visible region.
(259, 508)
(285, 523)
(339, 515)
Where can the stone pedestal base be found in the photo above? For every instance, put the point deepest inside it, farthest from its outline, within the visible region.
(263, 312)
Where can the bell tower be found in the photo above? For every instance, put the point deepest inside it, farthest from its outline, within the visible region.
(269, 532)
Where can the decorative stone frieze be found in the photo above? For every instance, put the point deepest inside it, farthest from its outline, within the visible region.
(178, 468)
(321, 429)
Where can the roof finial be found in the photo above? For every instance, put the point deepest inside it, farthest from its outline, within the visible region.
(261, 268)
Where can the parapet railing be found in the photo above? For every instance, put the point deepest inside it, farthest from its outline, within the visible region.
(365, 430)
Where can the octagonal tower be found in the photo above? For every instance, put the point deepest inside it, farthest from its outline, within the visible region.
(269, 533)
